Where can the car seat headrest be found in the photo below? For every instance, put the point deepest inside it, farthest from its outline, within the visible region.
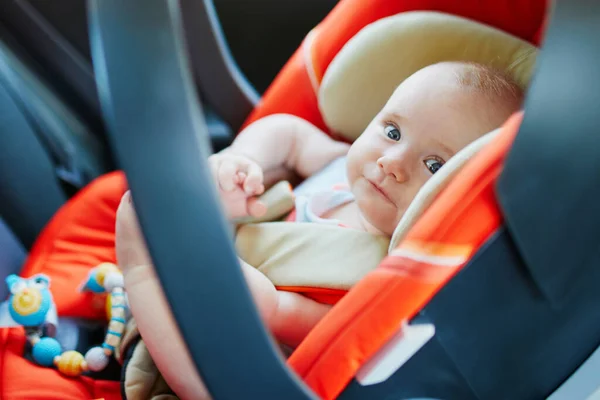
(375, 61)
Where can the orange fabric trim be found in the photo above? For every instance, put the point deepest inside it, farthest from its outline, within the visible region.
(422, 271)
(435, 249)
(465, 214)
(321, 295)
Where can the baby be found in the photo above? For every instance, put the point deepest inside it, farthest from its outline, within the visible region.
(431, 116)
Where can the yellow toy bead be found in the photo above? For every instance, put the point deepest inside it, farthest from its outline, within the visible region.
(71, 363)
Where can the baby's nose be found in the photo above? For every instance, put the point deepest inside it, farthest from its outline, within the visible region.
(394, 167)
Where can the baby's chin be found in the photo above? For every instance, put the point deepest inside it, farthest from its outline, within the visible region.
(379, 225)
(378, 220)
(379, 216)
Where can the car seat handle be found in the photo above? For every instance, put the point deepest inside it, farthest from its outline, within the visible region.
(159, 135)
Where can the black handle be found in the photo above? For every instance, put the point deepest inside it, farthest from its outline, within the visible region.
(550, 185)
(160, 138)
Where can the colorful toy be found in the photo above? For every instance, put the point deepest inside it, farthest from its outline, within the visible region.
(31, 305)
(108, 277)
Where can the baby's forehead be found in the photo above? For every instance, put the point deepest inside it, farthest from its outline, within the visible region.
(465, 79)
(453, 102)
(436, 77)
(437, 110)
(435, 91)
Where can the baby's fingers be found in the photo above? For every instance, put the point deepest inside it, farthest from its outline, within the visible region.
(253, 184)
(227, 176)
(256, 208)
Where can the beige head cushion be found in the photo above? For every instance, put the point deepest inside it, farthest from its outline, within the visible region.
(357, 84)
(373, 63)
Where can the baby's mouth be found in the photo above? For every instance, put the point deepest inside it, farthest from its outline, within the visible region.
(381, 191)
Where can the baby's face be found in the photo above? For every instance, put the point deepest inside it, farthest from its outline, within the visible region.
(426, 121)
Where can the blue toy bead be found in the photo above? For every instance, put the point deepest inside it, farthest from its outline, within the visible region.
(45, 350)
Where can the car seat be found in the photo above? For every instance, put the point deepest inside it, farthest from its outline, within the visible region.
(544, 310)
(517, 317)
(303, 107)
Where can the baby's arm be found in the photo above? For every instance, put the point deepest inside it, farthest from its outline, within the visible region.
(284, 143)
(288, 316)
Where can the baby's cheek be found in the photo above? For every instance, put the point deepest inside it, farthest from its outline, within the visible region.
(351, 169)
(361, 152)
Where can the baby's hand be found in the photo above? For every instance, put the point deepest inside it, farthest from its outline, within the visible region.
(239, 180)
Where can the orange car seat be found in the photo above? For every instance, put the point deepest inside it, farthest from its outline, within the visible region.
(81, 235)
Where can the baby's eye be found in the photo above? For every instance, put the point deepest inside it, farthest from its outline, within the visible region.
(392, 132)
(433, 164)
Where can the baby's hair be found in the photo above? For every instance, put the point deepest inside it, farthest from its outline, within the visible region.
(489, 81)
